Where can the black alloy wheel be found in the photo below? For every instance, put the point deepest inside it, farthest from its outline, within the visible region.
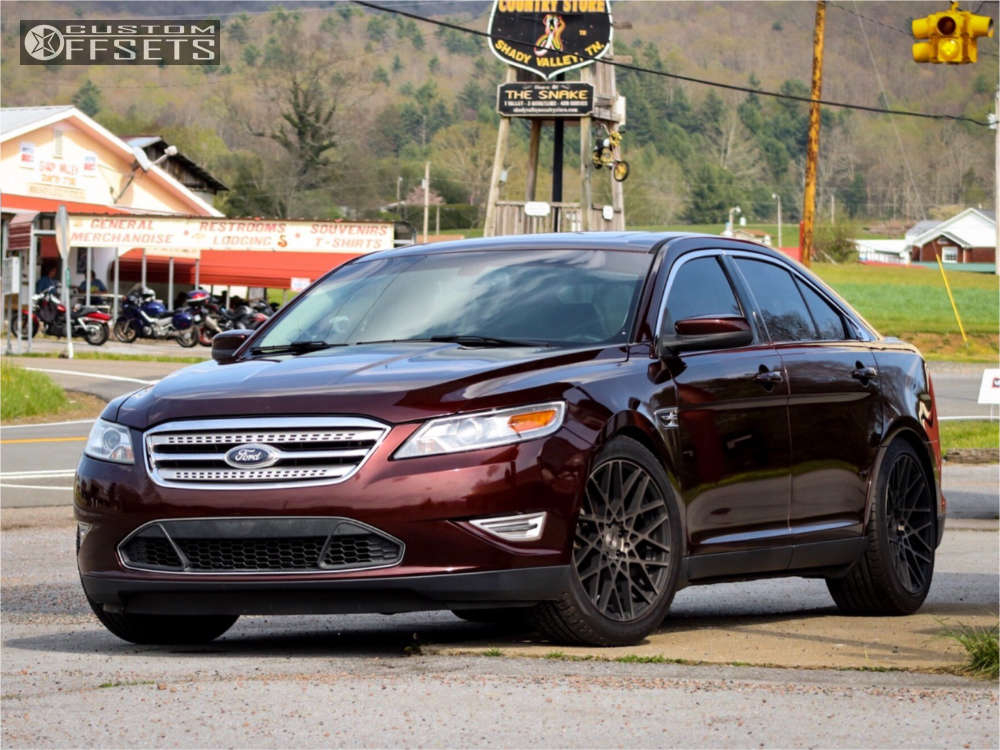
(621, 552)
(626, 552)
(894, 574)
(909, 522)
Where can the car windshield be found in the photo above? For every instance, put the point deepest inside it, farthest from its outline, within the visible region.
(484, 298)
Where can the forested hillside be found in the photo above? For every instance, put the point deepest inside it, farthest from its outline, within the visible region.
(324, 109)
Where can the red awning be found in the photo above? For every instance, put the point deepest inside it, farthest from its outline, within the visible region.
(50, 205)
(239, 267)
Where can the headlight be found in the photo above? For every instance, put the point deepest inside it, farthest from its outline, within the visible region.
(483, 430)
(110, 442)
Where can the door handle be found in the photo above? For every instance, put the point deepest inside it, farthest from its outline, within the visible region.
(768, 378)
(864, 374)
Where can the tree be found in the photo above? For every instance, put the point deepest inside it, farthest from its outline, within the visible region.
(87, 98)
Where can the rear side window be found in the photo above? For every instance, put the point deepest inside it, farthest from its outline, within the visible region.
(781, 305)
(828, 322)
(700, 289)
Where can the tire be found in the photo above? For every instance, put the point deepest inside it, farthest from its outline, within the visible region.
(512, 616)
(620, 171)
(894, 574)
(125, 331)
(627, 494)
(163, 629)
(204, 336)
(188, 337)
(96, 333)
(19, 324)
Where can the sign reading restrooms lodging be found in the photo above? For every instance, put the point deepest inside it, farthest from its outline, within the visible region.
(549, 37)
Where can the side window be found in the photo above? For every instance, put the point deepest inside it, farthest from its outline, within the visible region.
(780, 303)
(700, 288)
(828, 321)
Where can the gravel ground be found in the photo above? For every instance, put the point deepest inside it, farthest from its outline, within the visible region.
(348, 681)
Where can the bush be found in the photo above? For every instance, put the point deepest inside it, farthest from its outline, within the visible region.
(834, 242)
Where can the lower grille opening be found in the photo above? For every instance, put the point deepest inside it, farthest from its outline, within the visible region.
(259, 545)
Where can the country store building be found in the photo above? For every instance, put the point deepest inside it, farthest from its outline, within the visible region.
(141, 212)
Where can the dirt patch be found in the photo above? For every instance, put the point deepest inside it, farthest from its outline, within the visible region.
(81, 406)
(12, 519)
(973, 456)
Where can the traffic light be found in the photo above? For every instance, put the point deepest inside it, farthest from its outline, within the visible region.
(951, 36)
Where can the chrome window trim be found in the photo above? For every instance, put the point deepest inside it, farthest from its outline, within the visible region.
(137, 529)
(863, 334)
(260, 423)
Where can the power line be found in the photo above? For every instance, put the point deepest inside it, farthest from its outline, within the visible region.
(679, 77)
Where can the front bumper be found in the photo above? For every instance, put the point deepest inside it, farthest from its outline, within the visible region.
(384, 594)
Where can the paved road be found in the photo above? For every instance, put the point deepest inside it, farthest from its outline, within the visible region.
(346, 681)
(956, 389)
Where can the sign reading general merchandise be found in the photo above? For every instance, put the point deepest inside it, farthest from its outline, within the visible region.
(186, 236)
(550, 99)
(549, 37)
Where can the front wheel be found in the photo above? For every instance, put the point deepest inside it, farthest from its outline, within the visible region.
(19, 326)
(163, 629)
(626, 553)
(125, 331)
(894, 575)
(188, 337)
(96, 333)
(620, 171)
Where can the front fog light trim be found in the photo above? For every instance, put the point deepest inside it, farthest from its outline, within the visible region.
(525, 527)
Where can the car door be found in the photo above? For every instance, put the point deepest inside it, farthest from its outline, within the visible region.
(834, 407)
(731, 424)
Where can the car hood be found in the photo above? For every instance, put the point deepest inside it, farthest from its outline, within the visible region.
(396, 382)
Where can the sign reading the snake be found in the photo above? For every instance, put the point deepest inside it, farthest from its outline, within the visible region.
(549, 37)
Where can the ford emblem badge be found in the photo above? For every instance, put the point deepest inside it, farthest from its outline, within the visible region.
(252, 456)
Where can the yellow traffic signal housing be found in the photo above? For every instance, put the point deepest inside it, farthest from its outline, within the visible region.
(951, 36)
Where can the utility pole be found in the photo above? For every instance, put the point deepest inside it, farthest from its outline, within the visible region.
(812, 146)
(427, 195)
(778, 198)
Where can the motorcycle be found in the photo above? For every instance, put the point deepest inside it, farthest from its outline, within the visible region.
(142, 315)
(48, 315)
(217, 318)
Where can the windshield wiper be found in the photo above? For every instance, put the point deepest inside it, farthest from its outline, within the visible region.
(473, 340)
(461, 339)
(295, 347)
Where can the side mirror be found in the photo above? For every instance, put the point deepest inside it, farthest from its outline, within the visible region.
(225, 344)
(699, 334)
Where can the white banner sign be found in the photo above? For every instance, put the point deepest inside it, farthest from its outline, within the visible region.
(187, 237)
(989, 387)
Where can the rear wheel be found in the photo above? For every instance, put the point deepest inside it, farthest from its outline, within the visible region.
(96, 333)
(125, 331)
(894, 575)
(163, 629)
(626, 553)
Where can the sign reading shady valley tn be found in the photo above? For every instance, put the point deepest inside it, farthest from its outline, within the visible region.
(574, 99)
(187, 236)
(549, 37)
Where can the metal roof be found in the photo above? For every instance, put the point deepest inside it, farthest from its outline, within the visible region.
(15, 118)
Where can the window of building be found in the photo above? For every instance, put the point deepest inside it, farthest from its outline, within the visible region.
(949, 254)
(57, 144)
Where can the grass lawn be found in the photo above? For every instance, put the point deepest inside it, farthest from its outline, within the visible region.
(185, 359)
(27, 394)
(972, 434)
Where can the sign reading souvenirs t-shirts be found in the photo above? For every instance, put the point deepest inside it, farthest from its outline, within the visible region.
(549, 37)
(554, 99)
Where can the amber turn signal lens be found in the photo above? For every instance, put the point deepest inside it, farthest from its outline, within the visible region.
(532, 420)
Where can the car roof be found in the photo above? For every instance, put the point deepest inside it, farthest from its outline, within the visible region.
(634, 242)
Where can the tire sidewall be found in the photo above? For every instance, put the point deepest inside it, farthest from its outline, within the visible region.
(614, 630)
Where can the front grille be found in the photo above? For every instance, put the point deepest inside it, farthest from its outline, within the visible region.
(305, 450)
(259, 545)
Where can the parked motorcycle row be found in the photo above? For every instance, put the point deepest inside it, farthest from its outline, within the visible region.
(141, 315)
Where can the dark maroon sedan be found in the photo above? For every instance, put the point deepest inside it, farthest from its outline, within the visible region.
(567, 428)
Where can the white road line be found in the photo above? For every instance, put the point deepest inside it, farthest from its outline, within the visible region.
(92, 375)
(980, 418)
(45, 424)
(35, 487)
(41, 474)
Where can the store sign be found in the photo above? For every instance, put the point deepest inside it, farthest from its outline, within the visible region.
(120, 42)
(549, 37)
(573, 99)
(182, 236)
